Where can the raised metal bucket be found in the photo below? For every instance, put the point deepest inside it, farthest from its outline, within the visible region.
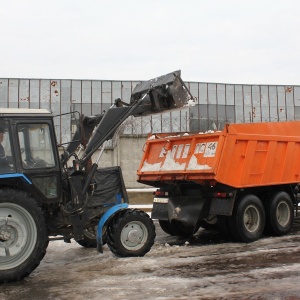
(160, 94)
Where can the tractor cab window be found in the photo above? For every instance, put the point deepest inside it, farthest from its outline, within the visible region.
(36, 146)
(6, 159)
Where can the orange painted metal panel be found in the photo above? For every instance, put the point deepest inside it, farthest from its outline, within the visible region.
(181, 157)
(242, 155)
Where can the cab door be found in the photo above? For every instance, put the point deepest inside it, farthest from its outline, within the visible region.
(39, 158)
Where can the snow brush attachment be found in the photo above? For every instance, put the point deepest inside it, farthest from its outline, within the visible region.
(161, 94)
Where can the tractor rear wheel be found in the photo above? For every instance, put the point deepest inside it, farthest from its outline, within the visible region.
(130, 233)
(23, 235)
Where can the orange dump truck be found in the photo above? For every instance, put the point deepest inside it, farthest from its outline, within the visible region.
(244, 179)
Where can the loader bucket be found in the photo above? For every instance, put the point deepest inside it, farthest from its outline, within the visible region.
(160, 94)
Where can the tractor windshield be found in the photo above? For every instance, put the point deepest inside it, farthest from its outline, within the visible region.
(35, 146)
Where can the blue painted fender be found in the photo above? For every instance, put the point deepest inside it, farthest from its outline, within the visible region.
(15, 175)
(103, 220)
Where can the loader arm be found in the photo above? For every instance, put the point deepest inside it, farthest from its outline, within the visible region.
(85, 127)
(157, 95)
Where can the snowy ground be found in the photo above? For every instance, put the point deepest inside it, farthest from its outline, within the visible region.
(205, 267)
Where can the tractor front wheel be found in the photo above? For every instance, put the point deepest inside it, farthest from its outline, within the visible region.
(130, 233)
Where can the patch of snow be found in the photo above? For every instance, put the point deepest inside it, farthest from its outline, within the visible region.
(170, 164)
(152, 137)
(172, 136)
(265, 269)
(150, 167)
(209, 131)
(191, 102)
(141, 190)
(193, 165)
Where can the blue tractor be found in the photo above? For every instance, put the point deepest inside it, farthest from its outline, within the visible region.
(45, 195)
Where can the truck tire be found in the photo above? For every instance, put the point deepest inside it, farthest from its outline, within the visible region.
(130, 233)
(248, 220)
(177, 228)
(23, 235)
(183, 230)
(210, 223)
(165, 226)
(223, 227)
(279, 214)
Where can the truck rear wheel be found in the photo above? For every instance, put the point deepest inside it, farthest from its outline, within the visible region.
(130, 233)
(23, 235)
(177, 228)
(224, 228)
(248, 220)
(165, 226)
(279, 214)
(211, 222)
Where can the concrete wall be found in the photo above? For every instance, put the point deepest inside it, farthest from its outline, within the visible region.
(126, 153)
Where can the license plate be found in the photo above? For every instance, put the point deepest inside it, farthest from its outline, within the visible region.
(160, 200)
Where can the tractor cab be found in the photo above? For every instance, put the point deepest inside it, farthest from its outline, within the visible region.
(28, 152)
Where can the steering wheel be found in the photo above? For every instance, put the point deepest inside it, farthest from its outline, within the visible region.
(30, 162)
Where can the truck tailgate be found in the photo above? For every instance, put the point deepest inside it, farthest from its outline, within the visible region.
(181, 157)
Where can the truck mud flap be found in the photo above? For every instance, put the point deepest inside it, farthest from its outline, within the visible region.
(185, 209)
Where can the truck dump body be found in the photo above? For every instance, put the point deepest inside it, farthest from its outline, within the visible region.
(242, 155)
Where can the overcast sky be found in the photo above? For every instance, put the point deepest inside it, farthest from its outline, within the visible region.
(233, 41)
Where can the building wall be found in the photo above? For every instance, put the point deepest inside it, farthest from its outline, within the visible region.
(126, 153)
(216, 104)
(221, 103)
